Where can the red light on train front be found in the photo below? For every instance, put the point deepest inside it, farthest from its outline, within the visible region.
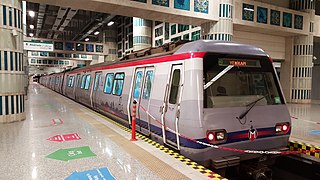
(282, 128)
(217, 136)
(210, 136)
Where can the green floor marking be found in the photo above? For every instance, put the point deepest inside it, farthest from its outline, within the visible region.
(72, 153)
(57, 121)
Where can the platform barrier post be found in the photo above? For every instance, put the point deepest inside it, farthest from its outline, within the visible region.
(133, 123)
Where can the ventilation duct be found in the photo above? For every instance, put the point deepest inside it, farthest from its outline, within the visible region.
(42, 10)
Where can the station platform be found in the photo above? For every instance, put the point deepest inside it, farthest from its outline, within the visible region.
(305, 123)
(61, 139)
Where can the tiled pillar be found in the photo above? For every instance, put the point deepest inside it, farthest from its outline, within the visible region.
(110, 43)
(223, 29)
(141, 34)
(302, 57)
(12, 79)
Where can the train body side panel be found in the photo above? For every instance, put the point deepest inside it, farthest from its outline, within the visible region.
(191, 116)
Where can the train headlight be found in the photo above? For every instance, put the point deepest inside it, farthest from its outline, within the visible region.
(220, 136)
(217, 136)
(282, 128)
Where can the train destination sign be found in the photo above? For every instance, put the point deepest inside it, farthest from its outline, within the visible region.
(239, 62)
(71, 153)
(96, 174)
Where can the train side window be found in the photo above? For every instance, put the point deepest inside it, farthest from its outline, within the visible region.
(78, 82)
(108, 83)
(174, 86)
(87, 84)
(83, 81)
(69, 81)
(96, 81)
(137, 87)
(72, 81)
(118, 84)
(147, 85)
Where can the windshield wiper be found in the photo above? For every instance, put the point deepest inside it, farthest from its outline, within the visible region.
(251, 104)
(217, 76)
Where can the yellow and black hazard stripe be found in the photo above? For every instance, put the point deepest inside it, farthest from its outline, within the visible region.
(194, 165)
(299, 146)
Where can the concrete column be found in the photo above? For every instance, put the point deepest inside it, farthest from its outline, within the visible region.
(303, 57)
(316, 74)
(141, 33)
(223, 29)
(12, 78)
(110, 43)
(286, 69)
(302, 69)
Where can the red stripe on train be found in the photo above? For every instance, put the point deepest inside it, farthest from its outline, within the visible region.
(156, 60)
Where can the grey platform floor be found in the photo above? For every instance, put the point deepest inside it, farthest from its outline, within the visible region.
(24, 145)
(305, 123)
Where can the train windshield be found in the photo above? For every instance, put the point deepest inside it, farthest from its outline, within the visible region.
(237, 81)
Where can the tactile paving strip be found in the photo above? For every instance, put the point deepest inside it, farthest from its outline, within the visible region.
(194, 165)
(299, 146)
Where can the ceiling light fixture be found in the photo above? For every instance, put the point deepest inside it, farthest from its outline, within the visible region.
(78, 45)
(96, 33)
(32, 13)
(86, 39)
(31, 34)
(110, 23)
(31, 26)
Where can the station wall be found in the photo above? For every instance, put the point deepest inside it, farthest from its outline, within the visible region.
(273, 45)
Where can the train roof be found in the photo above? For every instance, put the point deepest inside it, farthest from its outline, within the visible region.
(220, 47)
(181, 47)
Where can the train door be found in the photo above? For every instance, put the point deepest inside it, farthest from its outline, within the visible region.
(171, 107)
(141, 90)
(65, 84)
(77, 84)
(62, 82)
(96, 88)
(49, 82)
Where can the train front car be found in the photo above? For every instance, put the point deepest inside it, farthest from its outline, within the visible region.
(243, 104)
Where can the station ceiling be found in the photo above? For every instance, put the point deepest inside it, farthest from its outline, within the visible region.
(53, 22)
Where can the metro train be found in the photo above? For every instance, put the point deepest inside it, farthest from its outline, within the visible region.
(222, 93)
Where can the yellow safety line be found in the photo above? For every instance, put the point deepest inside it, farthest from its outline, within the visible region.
(299, 146)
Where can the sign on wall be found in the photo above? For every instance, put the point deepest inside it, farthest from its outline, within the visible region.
(38, 45)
